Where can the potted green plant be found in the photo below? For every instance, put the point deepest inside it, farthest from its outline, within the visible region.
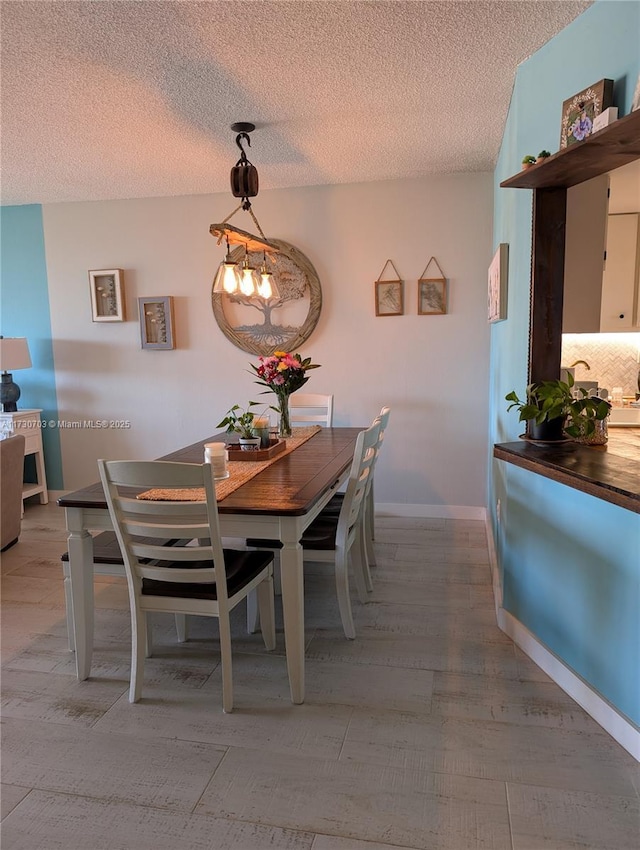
(528, 161)
(239, 420)
(545, 408)
(587, 419)
(542, 155)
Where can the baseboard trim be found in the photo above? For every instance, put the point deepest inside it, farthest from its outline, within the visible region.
(619, 727)
(493, 565)
(431, 511)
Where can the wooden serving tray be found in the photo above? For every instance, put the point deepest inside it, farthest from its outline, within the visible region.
(276, 447)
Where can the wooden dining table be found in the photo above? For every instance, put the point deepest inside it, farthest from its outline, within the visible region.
(277, 504)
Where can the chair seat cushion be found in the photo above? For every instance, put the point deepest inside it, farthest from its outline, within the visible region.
(333, 506)
(241, 568)
(321, 534)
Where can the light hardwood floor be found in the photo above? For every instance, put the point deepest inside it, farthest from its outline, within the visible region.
(431, 730)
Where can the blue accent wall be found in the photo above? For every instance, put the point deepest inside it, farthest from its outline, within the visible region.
(24, 311)
(569, 563)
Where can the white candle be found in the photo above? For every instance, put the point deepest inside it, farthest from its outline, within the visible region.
(261, 429)
(216, 455)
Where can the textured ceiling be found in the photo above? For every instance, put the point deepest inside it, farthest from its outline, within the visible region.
(135, 99)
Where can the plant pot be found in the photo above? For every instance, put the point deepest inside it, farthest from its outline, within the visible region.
(249, 444)
(549, 431)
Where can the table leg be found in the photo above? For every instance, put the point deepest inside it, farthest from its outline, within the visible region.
(81, 584)
(291, 569)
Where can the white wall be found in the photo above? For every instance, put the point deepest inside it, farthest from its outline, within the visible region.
(431, 370)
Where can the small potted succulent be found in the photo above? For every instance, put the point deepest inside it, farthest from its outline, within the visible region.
(239, 420)
(543, 155)
(528, 161)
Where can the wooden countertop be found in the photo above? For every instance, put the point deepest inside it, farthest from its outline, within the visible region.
(610, 472)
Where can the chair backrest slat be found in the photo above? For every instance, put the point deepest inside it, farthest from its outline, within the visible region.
(171, 528)
(178, 576)
(311, 407)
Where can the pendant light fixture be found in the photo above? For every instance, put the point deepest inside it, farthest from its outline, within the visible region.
(235, 277)
(227, 279)
(267, 287)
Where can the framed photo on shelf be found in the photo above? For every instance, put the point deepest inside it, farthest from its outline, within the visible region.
(579, 112)
(635, 103)
(156, 322)
(498, 280)
(107, 295)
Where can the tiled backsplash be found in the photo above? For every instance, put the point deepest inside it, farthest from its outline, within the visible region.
(613, 359)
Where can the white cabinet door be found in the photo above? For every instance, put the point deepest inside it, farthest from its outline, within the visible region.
(619, 306)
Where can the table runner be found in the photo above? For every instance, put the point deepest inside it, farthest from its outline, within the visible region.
(240, 472)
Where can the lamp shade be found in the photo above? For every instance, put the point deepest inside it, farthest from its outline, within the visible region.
(227, 279)
(14, 354)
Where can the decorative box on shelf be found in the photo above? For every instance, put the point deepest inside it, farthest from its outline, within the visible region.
(275, 448)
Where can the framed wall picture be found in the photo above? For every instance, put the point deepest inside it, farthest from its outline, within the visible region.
(579, 112)
(156, 322)
(498, 280)
(389, 298)
(107, 295)
(432, 296)
(389, 294)
(432, 292)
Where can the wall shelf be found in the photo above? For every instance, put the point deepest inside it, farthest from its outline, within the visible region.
(604, 151)
(609, 148)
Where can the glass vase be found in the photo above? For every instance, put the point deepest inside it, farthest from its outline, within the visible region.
(284, 429)
(599, 435)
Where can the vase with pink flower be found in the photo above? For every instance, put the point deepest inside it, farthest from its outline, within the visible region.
(283, 373)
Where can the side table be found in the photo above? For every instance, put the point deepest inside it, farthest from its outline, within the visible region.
(27, 423)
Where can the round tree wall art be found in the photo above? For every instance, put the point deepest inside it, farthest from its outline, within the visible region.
(284, 323)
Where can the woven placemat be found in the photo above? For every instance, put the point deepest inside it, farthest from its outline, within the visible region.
(239, 473)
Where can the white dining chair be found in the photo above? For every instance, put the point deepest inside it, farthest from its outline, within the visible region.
(335, 504)
(311, 409)
(199, 578)
(339, 537)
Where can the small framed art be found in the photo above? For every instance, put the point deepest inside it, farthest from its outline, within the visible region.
(156, 322)
(432, 297)
(635, 103)
(579, 112)
(107, 295)
(432, 292)
(389, 294)
(389, 298)
(498, 280)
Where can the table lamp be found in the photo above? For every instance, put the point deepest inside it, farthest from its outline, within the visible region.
(14, 354)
